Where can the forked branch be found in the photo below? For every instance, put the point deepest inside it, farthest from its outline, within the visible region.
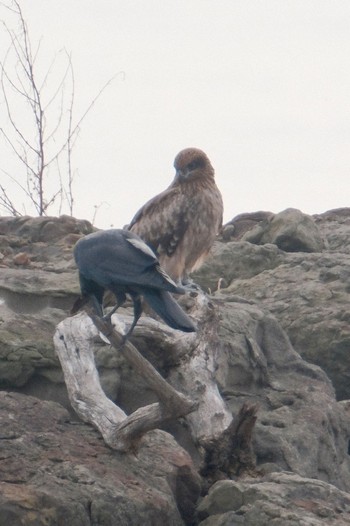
(87, 398)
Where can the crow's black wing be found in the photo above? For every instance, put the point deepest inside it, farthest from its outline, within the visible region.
(120, 257)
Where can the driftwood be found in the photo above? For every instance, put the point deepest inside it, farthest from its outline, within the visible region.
(74, 347)
(195, 375)
(190, 389)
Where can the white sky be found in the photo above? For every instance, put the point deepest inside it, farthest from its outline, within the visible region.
(262, 86)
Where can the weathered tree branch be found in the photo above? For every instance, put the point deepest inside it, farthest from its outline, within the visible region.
(172, 401)
(74, 346)
(189, 362)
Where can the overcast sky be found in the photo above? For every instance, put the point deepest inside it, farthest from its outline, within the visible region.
(262, 86)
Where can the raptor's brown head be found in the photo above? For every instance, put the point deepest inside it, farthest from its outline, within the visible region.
(192, 163)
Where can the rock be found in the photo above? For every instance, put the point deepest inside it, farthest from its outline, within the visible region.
(55, 471)
(233, 260)
(38, 285)
(42, 229)
(310, 298)
(300, 426)
(307, 292)
(281, 499)
(273, 303)
(26, 345)
(239, 225)
(290, 230)
(334, 227)
(44, 242)
(21, 258)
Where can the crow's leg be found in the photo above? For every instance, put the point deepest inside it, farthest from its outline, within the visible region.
(121, 298)
(137, 313)
(96, 305)
(92, 291)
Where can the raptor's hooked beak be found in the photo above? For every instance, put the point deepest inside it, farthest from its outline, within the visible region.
(181, 175)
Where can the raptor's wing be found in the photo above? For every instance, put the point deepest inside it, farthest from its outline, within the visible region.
(163, 221)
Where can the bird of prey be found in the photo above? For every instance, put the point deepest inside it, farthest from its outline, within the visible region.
(181, 223)
(119, 261)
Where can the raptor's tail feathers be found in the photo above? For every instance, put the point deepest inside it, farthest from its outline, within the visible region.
(169, 310)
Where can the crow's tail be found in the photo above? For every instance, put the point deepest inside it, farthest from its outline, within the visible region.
(168, 309)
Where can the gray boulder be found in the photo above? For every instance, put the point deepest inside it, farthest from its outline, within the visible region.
(279, 499)
(290, 230)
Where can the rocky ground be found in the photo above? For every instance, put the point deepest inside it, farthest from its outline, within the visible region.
(280, 287)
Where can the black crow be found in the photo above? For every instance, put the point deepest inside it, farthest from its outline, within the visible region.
(119, 261)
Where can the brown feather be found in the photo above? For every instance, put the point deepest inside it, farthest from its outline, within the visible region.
(182, 222)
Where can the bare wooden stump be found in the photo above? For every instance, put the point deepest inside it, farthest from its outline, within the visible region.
(231, 455)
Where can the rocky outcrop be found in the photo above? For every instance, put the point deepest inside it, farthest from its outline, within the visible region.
(290, 230)
(38, 283)
(307, 291)
(301, 428)
(279, 298)
(55, 471)
(279, 498)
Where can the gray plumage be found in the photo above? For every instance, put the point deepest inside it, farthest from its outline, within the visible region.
(119, 261)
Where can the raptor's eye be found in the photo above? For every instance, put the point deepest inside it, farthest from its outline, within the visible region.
(192, 165)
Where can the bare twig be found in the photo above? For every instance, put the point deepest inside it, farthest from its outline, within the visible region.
(54, 130)
(96, 209)
(84, 115)
(70, 143)
(6, 202)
